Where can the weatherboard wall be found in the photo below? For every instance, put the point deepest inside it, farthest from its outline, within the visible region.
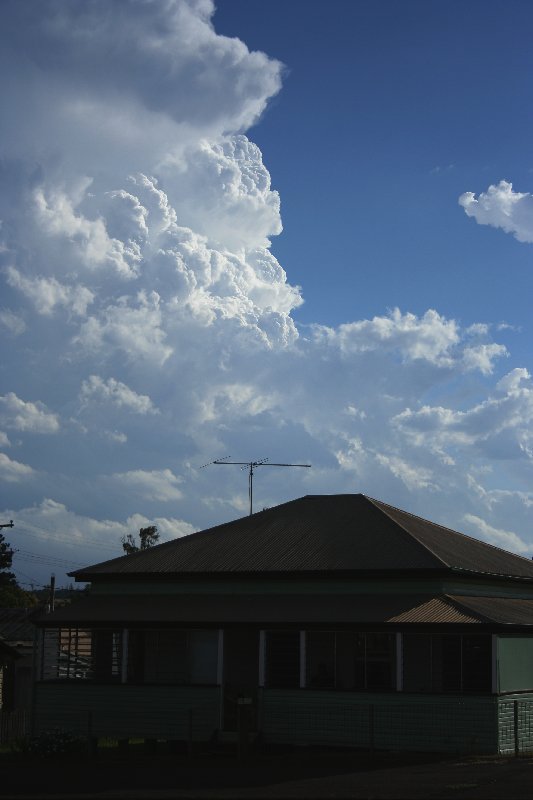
(432, 723)
(126, 711)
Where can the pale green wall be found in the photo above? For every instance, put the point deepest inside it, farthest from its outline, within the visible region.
(515, 663)
(123, 711)
(395, 721)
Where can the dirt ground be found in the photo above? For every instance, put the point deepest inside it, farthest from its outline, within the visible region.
(295, 774)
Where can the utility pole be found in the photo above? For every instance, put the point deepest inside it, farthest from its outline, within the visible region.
(252, 465)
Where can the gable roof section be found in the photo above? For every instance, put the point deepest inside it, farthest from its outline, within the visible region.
(318, 534)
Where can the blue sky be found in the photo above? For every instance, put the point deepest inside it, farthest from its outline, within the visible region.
(294, 230)
(390, 111)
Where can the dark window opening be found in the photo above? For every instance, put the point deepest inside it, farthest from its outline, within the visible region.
(375, 661)
(177, 657)
(350, 661)
(282, 651)
(320, 659)
(447, 663)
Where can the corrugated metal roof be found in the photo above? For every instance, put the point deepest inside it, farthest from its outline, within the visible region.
(319, 533)
(435, 610)
(16, 624)
(457, 550)
(501, 610)
(263, 610)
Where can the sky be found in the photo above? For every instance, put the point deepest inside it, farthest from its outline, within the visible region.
(298, 231)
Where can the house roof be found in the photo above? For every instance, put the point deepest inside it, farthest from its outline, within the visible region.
(292, 610)
(347, 533)
(16, 624)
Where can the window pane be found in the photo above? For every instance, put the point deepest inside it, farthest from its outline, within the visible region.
(165, 657)
(380, 661)
(360, 661)
(344, 660)
(283, 659)
(446, 663)
(136, 659)
(320, 653)
(477, 663)
(416, 663)
(203, 656)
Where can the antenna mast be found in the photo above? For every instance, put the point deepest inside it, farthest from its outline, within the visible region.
(252, 465)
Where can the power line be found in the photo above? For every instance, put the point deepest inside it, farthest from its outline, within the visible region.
(61, 539)
(27, 555)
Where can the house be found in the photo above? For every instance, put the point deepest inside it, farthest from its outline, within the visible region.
(326, 620)
(17, 634)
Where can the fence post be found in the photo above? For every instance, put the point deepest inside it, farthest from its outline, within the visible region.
(371, 726)
(190, 734)
(516, 728)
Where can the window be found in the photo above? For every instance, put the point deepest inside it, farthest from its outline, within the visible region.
(375, 661)
(282, 652)
(446, 663)
(320, 659)
(350, 661)
(81, 654)
(170, 656)
(178, 657)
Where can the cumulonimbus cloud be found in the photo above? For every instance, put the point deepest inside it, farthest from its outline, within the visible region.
(143, 300)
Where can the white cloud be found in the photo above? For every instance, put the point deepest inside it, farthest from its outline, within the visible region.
(117, 436)
(56, 531)
(501, 207)
(164, 330)
(482, 357)
(132, 326)
(47, 293)
(26, 416)
(497, 536)
(13, 471)
(153, 485)
(430, 338)
(12, 322)
(56, 214)
(140, 96)
(414, 477)
(500, 426)
(225, 194)
(96, 389)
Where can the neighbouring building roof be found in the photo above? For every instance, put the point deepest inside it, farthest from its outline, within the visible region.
(338, 534)
(16, 624)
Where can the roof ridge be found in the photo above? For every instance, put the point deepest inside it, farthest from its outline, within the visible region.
(451, 530)
(379, 503)
(465, 607)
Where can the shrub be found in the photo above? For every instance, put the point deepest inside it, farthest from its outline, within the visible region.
(56, 742)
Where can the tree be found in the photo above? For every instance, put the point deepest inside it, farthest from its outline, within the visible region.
(147, 538)
(11, 595)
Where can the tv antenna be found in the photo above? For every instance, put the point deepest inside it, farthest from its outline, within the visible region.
(252, 465)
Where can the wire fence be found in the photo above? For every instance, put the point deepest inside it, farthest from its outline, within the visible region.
(491, 725)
